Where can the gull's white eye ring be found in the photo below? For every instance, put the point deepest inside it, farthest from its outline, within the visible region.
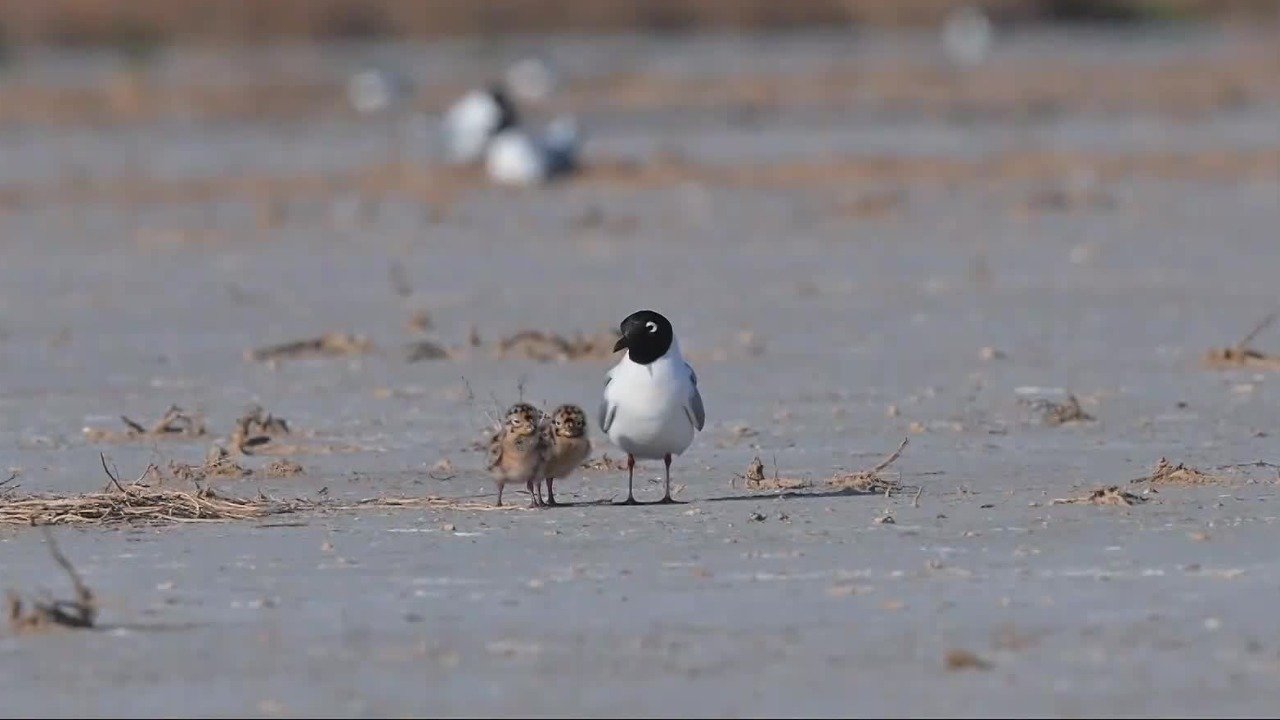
(653, 326)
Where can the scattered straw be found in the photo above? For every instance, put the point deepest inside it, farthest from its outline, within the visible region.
(334, 344)
(1103, 496)
(175, 423)
(142, 501)
(869, 481)
(1241, 355)
(43, 616)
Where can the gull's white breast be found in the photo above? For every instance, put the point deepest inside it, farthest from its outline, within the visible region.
(650, 419)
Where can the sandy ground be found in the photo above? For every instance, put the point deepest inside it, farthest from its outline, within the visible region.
(827, 321)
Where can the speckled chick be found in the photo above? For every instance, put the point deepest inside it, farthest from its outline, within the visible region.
(518, 450)
(567, 444)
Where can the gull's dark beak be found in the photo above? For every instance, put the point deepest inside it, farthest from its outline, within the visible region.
(622, 342)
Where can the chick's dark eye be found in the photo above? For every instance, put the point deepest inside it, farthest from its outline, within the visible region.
(652, 326)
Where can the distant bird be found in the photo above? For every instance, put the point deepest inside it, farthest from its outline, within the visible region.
(515, 157)
(531, 79)
(651, 405)
(371, 91)
(518, 450)
(967, 36)
(567, 445)
(473, 121)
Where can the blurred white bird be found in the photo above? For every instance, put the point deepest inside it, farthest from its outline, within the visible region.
(531, 79)
(967, 36)
(515, 157)
(473, 121)
(371, 91)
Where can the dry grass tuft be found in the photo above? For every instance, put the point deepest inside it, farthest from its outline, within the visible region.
(283, 467)
(1241, 356)
(255, 429)
(47, 615)
(136, 502)
(175, 423)
(334, 344)
(425, 350)
(1065, 413)
(549, 347)
(1103, 496)
(965, 660)
(755, 478)
(1166, 473)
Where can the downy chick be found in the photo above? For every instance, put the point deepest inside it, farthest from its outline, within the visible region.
(518, 450)
(567, 445)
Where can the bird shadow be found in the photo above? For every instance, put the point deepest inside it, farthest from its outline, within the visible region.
(791, 494)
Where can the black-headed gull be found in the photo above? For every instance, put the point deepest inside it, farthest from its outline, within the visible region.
(651, 405)
(515, 157)
(472, 122)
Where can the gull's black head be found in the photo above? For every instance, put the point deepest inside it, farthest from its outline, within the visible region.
(646, 335)
(507, 115)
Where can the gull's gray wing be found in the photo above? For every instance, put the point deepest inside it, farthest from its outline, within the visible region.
(604, 415)
(697, 414)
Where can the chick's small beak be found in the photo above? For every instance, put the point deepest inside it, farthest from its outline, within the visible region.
(622, 342)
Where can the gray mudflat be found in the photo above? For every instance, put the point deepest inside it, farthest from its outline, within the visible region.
(738, 603)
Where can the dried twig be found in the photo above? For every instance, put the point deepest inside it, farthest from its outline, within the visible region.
(8, 482)
(869, 481)
(78, 613)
